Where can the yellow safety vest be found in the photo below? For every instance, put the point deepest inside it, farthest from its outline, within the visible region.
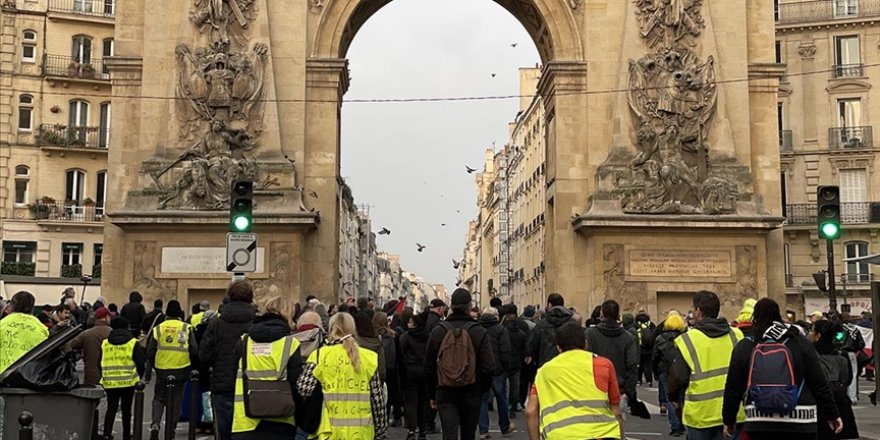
(197, 319)
(572, 406)
(708, 359)
(347, 412)
(117, 365)
(265, 361)
(19, 333)
(172, 345)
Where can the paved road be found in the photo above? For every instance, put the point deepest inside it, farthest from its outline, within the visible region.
(637, 429)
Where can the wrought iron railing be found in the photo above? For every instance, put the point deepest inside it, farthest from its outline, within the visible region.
(63, 136)
(785, 143)
(821, 10)
(66, 211)
(847, 70)
(70, 67)
(850, 213)
(856, 278)
(99, 8)
(850, 137)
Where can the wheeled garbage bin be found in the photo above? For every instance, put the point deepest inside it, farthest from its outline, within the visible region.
(57, 415)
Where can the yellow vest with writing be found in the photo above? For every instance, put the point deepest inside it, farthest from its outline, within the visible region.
(708, 359)
(19, 333)
(347, 412)
(117, 365)
(172, 349)
(572, 406)
(197, 319)
(265, 361)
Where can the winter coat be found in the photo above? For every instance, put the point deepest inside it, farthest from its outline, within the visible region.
(375, 345)
(482, 348)
(519, 340)
(222, 333)
(134, 313)
(804, 359)
(433, 320)
(89, 342)
(838, 371)
(390, 346)
(413, 344)
(149, 318)
(542, 341)
(610, 340)
(121, 337)
(664, 351)
(500, 342)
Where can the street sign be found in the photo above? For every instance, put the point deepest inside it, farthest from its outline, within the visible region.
(241, 252)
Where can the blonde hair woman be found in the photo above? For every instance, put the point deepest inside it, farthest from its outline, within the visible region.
(664, 352)
(354, 405)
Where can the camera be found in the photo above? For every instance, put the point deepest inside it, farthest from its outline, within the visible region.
(86, 279)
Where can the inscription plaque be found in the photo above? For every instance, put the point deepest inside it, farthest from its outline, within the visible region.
(680, 263)
(200, 260)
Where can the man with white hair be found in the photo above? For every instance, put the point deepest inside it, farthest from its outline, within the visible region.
(499, 340)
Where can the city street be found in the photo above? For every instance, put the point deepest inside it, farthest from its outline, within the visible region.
(637, 429)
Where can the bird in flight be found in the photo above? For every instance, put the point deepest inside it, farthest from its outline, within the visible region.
(385, 231)
(513, 44)
(470, 170)
(493, 75)
(421, 247)
(455, 264)
(442, 224)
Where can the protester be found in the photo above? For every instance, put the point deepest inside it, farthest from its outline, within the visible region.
(576, 395)
(457, 393)
(518, 333)
(437, 313)
(367, 338)
(744, 318)
(392, 375)
(172, 349)
(610, 340)
(664, 353)
(853, 344)
(309, 333)
(529, 317)
(699, 370)
(45, 316)
(500, 343)
(351, 385)
(197, 317)
(645, 341)
(20, 331)
(267, 346)
(89, 343)
(205, 424)
(153, 318)
(777, 405)
(61, 319)
(542, 341)
(122, 366)
(838, 373)
(215, 352)
(413, 344)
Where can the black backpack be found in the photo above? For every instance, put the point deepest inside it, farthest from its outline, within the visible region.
(771, 386)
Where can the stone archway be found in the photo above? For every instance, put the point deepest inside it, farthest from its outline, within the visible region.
(553, 26)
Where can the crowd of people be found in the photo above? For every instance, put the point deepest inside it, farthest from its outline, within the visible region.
(284, 370)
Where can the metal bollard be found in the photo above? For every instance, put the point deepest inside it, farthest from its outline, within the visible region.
(26, 429)
(169, 409)
(195, 400)
(138, 423)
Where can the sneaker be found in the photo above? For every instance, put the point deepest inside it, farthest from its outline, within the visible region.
(675, 433)
(662, 409)
(510, 432)
(485, 436)
(411, 435)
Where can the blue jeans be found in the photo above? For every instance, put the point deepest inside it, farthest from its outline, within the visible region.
(713, 433)
(499, 391)
(222, 405)
(674, 421)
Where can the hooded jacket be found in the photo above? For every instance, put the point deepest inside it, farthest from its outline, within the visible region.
(664, 351)
(89, 342)
(807, 371)
(610, 340)
(139, 355)
(223, 333)
(500, 342)
(413, 344)
(375, 345)
(679, 372)
(542, 341)
(482, 348)
(518, 332)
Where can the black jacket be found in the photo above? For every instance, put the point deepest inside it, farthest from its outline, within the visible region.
(542, 341)
(610, 340)
(484, 356)
(433, 320)
(413, 344)
(679, 372)
(134, 313)
(139, 355)
(149, 317)
(518, 332)
(500, 342)
(807, 370)
(223, 333)
(664, 351)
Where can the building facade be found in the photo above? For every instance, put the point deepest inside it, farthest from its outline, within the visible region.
(55, 112)
(827, 108)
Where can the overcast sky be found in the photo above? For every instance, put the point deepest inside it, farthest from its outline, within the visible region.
(406, 160)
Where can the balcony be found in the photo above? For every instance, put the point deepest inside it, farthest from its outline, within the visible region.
(59, 135)
(848, 70)
(47, 210)
(93, 8)
(785, 144)
(856, 278)
(68, 67)
(854, 213)
(825, 10)
(850, 138)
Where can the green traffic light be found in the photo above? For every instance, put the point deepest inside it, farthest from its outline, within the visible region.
(839, 336)
(241, 223)
(830, 230)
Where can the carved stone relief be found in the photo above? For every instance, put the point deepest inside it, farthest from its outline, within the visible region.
(808, 51)
(145, 273)
(280, 274)
(316, 6)
(575, 4)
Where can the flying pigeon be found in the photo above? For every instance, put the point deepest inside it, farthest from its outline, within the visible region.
(493, 75)
(455, 264)
(421, 247)
(513, 44)
(385, 231)
(470, 170)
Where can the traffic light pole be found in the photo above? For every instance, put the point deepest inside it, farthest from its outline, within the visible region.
(832, 291)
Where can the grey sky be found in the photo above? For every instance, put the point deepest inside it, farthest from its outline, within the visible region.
(407, 160)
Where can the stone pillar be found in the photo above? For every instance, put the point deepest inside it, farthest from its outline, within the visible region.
(326, 82)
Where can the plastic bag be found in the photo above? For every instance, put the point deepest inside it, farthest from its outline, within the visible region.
(53, 371)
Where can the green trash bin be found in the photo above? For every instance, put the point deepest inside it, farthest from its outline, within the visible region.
(59, 415)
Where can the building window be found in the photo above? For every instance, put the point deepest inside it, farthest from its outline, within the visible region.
(776, 10)
(853, 186)
(778, 52)
(22, 179)
(849, 112)
(19, 258)
(81, 50)
(104, 126)
(847, 57)
(25, 112)
(82, 5)
(99, 258)
(71, 260)
(77, 121)
(101, 193)
(857, 272)
(74, 183)
(29, 46)
(786, 263)
(109, 7)
(846, 8)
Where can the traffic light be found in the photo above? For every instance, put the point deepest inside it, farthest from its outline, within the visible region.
(820, 278)
(241, 206)
(828, 212)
